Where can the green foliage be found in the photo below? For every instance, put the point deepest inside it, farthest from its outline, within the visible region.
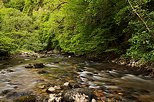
(79, 26)
(14, 20)
(17, 4)
(142, 40)
(82, 26)
(7, 45)
(18, 31)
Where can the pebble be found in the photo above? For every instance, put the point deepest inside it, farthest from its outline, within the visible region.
(51, 89)
(57, 87)
(66, 84)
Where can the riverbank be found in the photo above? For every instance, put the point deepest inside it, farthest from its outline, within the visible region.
(141, 67)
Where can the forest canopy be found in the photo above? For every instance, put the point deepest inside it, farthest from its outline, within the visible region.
(98, 27)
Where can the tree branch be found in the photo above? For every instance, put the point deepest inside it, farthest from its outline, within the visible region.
(142, 19)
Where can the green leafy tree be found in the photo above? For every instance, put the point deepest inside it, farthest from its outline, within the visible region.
(141, 27)
(19, 27)
(7, 45)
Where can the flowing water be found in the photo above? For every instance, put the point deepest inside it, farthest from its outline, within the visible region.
(110, 82)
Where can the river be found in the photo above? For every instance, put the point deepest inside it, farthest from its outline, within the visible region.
(109, 82)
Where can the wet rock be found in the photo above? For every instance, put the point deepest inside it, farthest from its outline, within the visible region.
(2, 72)
(43, 85)
(54, 98)
(42, 56)
(38, 65)
(5, 80)
(4, 92)
(14, 94)
(74, 85)
(29, 66)
(27, 98)
(51, 90)
(78, 95)
(20, 62)
(10, 70)
(15, 87)
(57, 87)
(67, 84)
(42, 72)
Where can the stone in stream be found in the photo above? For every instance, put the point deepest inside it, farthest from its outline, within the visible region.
(29, 66)
(14, 94)
(57, 87)
(55, 98)
(4, 92)
(42, 72)
(26, 98)
(78, 95)
(73, 95)
(10, 70)
(51, 90)
(38, 65)
(67, 84)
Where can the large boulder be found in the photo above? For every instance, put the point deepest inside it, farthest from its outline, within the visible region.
(78, 95)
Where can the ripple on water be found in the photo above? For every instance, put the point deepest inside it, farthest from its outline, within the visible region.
(21, 79)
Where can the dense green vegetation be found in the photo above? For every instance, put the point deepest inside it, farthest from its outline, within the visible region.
(97, 27)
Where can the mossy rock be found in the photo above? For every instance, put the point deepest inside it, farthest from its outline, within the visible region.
(27, 98)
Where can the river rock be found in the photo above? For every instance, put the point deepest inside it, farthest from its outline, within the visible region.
(14, 94)
(54, 98)
(29, 66)
(27, 98)
(10, 70)
(66, 84)
(41, 86)
(57, 87)
(42, 72)
(38, 65)
(51, 90)
(78, 95)
(4, 92)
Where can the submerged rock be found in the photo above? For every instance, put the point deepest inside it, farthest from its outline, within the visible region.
(29, 66)
(27, 98)
(14, 94)
(10, 70)
(42, 72)
(4, 92)
(38, 65)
